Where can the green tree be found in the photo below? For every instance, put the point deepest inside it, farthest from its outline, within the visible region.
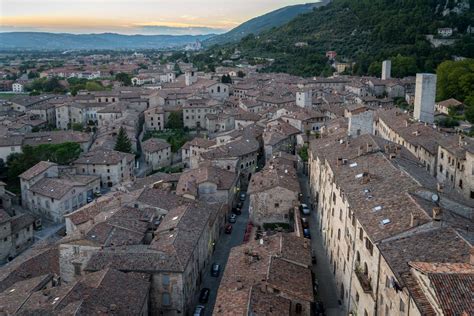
(124, 78)
(469, 110)
(455, 79)
(94, 86)
(226, 79)
(240, 74)
(175, 120)
(18, 163)
(123, 143)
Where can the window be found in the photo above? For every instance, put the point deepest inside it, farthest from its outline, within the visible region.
(165, 299)
(402, 306)
(298, 308)
(77, 269)
(340, 214)
(76, 250)
(369, 246)
(338, 234)
(361, 234)
(165, 280)
(277, 205)
(460, 184)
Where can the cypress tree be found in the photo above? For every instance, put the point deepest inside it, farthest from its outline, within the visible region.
(123, 143)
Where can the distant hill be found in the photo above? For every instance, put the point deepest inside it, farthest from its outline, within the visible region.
(365, 32)
(265, 22)
(63, 41)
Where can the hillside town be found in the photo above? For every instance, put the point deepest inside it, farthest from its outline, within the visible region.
(172, 191)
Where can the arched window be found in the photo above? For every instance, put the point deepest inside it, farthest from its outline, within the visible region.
(298, 308)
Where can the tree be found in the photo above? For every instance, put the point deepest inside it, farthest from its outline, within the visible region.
(175, 120)
(455, 79)
(124, 78)
(240, 74)
(94, 86)
(18, 163)
(226, 79)
(123, 143)
(469, 111)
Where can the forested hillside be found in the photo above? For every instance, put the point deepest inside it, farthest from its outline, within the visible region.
(366, 32)
(262, 23)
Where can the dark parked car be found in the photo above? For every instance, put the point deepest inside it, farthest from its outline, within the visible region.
(228, 229)
(242, 196)
(304, 222)
(232, 218)
(304, 209)
(306, 233)
(199, 310)
(204, 295)
(319, 309)
(237, 210)
(215, 270)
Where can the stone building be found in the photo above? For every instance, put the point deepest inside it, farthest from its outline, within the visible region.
(191, 150)
(176, 256)
(425, 94)
(154, 119)
(47, 191)
(157, 153)
(195, 110)
(456, 166)
(16, 234)
(274, 193)
(208, 184)
(270, 276)
(373, 224)
(106, 291)
(112, 166)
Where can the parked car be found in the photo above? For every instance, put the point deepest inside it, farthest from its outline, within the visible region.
(319, 309)
(232, 218)
(215, 270)
(204, 295)
(304, 222)
(242, 196)
(228, 229)
(199, 310)
(237, 210)
(304, 209)
(306, 233)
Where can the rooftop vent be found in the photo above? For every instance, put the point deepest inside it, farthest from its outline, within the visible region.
(385, 222)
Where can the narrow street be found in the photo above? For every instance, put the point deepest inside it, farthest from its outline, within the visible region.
(220, 256)
(327, 288)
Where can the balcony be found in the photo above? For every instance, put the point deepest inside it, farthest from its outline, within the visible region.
(364, 280)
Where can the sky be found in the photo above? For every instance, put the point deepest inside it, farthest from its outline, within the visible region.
(132, 16)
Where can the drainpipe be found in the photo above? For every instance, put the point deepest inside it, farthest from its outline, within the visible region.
(352, 263)
(377, 287)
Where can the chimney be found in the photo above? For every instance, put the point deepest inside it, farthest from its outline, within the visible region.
(406, 123)
(413, 220)
(437, 213)
(360, 151)
(369, 148)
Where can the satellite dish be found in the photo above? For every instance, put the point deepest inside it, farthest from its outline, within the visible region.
(435, 198)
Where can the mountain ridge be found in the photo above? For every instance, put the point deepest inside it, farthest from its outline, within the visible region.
(264, 22)
(92, 41)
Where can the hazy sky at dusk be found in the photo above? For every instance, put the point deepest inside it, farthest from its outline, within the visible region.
(129, 16)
